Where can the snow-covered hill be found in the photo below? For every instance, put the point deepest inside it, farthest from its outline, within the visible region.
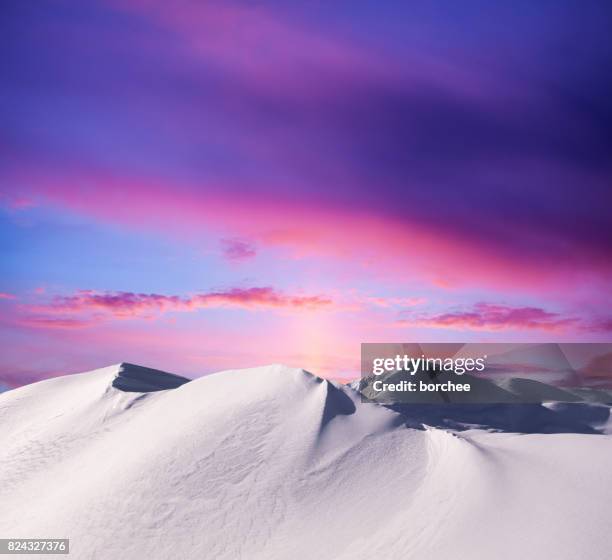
(275, 463)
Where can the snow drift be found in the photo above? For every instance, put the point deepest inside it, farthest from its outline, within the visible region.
(275, 463)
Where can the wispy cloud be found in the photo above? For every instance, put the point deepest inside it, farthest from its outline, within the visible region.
(602, 324)
(68, 311)
(43, 322)
(398, 302)
(487, 316)
(15, 202)
(237, 249)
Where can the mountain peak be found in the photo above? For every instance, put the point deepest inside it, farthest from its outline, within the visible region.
(139, 379)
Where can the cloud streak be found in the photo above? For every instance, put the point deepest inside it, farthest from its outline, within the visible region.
(96, 306)
(492, 317)
(237, 249)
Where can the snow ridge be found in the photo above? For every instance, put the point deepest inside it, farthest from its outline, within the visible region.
(251, 464)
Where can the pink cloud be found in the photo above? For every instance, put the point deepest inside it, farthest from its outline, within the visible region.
(237, 249)
(119, 304)
(280, 56)
(4, 295)
(15, 202)
(96, 306)
(259, 297)
(600, 325)
(254, 44)
(396, 301)
(40, 322)
(486, 316)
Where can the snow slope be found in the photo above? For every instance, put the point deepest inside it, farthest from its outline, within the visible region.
(274, 463)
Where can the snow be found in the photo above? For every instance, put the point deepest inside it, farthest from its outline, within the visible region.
(275, 463)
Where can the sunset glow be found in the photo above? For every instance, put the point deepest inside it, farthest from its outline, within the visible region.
(202, 186)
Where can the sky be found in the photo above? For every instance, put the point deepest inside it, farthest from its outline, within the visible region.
(199, 186)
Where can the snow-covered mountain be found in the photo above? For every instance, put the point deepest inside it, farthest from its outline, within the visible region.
(275, 463)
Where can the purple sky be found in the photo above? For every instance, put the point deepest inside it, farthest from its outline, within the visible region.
(203, 185)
